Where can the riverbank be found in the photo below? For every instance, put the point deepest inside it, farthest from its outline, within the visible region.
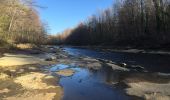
(22, 77)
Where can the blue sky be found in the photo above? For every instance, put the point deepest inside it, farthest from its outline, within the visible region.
(62, 14)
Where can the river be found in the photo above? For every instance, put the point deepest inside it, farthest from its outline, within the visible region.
(87, 84)
(151, 62)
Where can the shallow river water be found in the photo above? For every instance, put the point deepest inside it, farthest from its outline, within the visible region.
(87, 84)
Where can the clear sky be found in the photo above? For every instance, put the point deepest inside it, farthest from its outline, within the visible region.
(62, 14)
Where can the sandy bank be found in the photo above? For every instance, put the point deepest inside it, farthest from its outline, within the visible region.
(28, 82)
(149, 91)
(18, 59)
(21, 77)
(22, 59)
(32, 86)
(148, 86)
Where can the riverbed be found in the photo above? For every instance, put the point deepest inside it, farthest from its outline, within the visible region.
(69, 73)
(109, 83)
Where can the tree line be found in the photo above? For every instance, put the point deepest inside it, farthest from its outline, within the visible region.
(135, 23)
(20, 22)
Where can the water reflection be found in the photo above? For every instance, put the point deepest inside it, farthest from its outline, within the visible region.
(88, 84)
(57, 67)
(150, 62)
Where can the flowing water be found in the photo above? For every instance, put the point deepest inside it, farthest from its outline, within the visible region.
(151, 62)
(87, 84)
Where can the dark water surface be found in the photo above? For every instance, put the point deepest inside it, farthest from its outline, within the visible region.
(151, 62)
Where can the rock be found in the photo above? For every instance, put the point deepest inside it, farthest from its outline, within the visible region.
(13, 70)
(33, 81)
(88, 59)
(48, 59)
(123, 64)
(66, 72)
(31, 86)
(3, 76)
(4, 91)
(95, 65)
(21, 70)
(53, 58)
(32, 68)
(90, 63)
(26, 46)
(149, 90)
(35, 52)
(116, 67)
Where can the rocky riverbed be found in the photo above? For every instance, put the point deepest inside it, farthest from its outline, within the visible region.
(51, 73)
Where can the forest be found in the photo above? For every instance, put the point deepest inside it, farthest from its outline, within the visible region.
(20, 23)
(127, 23)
